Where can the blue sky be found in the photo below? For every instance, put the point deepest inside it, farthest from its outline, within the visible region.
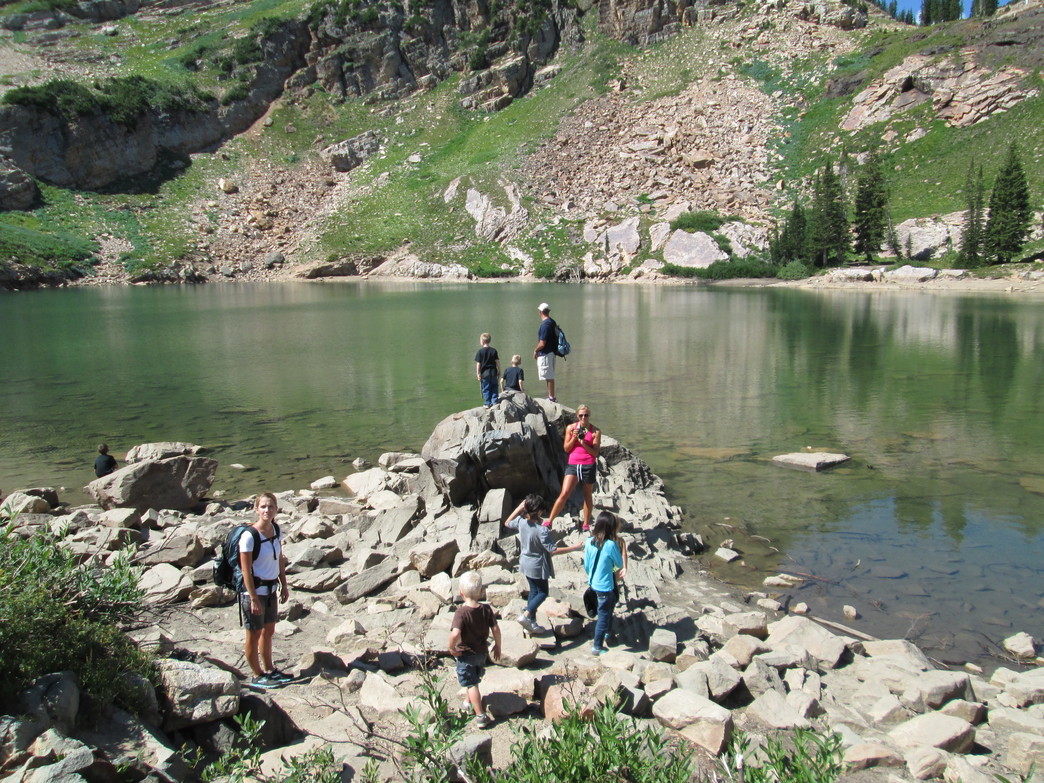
(915, 5)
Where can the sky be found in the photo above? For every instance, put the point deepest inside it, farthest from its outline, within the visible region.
(915, 5)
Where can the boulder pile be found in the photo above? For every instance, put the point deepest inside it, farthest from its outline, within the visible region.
(373, 589)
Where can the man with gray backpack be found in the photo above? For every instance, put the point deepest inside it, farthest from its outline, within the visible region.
(252, 562)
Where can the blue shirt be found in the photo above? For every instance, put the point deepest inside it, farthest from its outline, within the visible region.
(610, 560)
(548, 332)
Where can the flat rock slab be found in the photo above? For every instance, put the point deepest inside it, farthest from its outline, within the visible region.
(813, 462)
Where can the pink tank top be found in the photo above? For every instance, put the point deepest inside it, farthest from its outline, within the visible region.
(581, 456)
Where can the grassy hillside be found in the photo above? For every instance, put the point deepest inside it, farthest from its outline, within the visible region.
(392, 201)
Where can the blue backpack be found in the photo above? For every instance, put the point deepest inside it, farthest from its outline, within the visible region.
(562, 347)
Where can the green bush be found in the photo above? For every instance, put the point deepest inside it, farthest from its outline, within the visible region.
(724, 270)
(58, 613)
(793, 270)
(545, 269)
(123, 98)
(698, 221)
(805, 757)
(607, 748)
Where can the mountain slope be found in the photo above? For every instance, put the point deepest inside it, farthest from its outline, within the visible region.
(730, 114)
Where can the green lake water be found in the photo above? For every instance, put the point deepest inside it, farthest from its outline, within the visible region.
(933, 531)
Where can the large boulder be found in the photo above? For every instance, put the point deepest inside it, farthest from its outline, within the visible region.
(162, 450)
(193, 693)
(512, 446)
(17, 189)
(173, 483)
(695, 250)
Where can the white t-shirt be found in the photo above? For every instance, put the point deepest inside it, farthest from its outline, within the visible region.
(266, 566)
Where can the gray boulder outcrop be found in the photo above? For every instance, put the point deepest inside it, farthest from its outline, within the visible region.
(194, 693)
(175, 483)
(351, 153)
(162, 450)
(692, 250)
(17, 189)
(512, 446)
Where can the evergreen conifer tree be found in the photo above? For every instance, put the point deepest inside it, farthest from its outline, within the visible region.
(927, 12)
(871, 208)
(972, 237)
(828, 233)
(791, 244)
(1010, 212)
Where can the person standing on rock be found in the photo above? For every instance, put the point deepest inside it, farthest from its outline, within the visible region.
(262, 571)
(104, 463)
(547, 341)
(602, 561)
(534, 561)
(583, 441)
(514, 376)
(487, 370)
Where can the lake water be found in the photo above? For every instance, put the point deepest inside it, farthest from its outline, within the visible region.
(933, 531)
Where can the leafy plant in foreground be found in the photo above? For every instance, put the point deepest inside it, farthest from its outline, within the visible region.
(607, 747)
(804, 757)
(59, 613)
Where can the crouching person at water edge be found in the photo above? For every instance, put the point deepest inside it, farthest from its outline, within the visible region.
(259, 603)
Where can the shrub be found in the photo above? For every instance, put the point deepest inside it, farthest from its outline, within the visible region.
(807, 758)
(59, 613)
(247, 50)
(123, 98)
(545, 269)
(724, 270)
(698, 221)
(608, 747)
(793, 270)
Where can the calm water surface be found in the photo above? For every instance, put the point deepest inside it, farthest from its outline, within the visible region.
(932, 532)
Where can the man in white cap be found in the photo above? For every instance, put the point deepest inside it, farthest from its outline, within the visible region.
(547, 342)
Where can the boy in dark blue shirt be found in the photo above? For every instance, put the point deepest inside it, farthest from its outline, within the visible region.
(514, 376)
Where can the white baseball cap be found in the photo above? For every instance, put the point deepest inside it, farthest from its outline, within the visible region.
(543, 306)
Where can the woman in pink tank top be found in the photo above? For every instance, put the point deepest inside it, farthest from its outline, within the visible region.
(582, 443)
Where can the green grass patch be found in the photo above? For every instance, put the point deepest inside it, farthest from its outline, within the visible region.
(46, 250)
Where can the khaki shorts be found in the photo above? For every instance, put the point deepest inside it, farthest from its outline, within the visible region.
(546, 367)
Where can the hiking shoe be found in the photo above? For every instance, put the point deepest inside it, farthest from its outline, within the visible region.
(281, 677)
(525, 622)
(263, 681)
(598, 651)
(483, 721)
(585, 527)
(546, 523)
(552, 399)
(536, 629)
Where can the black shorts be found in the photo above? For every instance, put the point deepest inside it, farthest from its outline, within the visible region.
(585, 474)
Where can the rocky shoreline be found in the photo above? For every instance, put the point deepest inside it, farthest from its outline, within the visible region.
(373, 585)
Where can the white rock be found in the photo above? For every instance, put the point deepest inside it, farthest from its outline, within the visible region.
(935, 730)
(326, 482)
(1021, 645)
(812, 461)
(696, 718)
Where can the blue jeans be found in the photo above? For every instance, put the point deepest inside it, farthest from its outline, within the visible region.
(538, 590)
(490, 395)
(604, 623)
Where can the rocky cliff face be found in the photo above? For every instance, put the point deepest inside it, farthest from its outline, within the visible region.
(94, 150)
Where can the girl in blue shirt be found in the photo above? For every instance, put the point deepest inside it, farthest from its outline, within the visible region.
(602, 559)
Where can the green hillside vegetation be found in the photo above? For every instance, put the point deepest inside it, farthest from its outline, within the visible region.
(182, 60)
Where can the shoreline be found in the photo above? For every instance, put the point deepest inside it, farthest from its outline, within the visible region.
(1028, 281)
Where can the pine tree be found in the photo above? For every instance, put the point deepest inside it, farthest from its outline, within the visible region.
(927, 8)
(829, 232)
(791, 244)
(989, 7)
(893, 9)
(871, 208)
(1010, 212)
(972, 237)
